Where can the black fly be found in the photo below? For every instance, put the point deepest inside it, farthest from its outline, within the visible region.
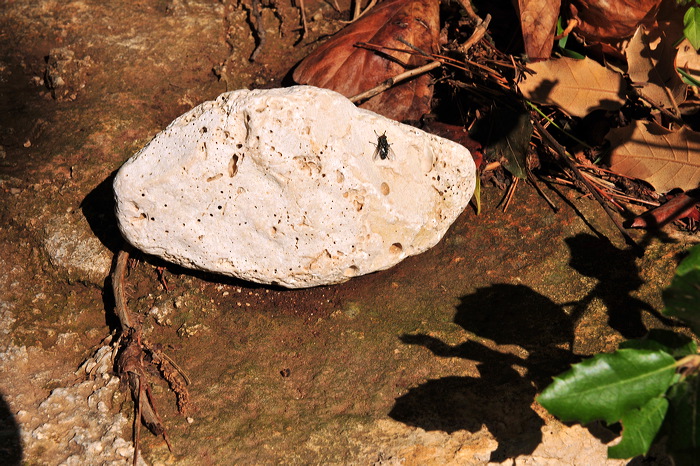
(383, 150)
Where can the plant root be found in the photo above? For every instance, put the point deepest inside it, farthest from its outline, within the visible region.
(133, 355)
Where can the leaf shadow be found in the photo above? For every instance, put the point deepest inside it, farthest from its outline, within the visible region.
(10, 442)
(617, 277)
(501, 397)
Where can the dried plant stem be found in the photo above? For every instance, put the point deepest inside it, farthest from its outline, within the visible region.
(394, 80)
(259, 27)
(304, 25)
(130, 358)
(357, 14)
(673, 116)
(563, 158)
(119, 293)
(510, 193)
(477, 35)
(467, 5)
(534, 183)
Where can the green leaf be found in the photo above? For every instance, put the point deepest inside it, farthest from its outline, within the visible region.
(683, 421)
(682, 298)
(640, 427)
(691, 26)
(687, 77)
(673, 343)
(607, 386)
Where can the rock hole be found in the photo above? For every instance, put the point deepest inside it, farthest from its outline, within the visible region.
(384, 188)
(396, 248)
(351, 271)
(233, 166)
(203, 129)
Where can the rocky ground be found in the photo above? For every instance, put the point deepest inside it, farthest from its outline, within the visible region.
(436, 360)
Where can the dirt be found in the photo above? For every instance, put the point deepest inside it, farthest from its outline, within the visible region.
(436, 360)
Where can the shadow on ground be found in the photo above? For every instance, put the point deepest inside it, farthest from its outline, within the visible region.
(507, 314)
(501, 397)
(10, 444)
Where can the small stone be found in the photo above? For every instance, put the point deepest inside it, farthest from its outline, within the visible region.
(72, 247)
(293, 186)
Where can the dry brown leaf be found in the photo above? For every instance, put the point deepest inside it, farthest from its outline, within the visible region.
(576, 86)
(663, 158)
(650, 59)
(538, 21)
(341, 66)
(611, 20)
(688, 59)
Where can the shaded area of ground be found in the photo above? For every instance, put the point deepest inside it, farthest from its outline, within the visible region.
(437, 359)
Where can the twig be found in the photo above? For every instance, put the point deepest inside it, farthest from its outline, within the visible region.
(477, 35)
(119, 293)
(259, 27)
(356, 14)
(395, 80)
(413, 47)
(510, 193)
(130, 362)
(467, 5)
(570, 25)
(533, 182)
(304, 26)
(563, 157)
(669, 114)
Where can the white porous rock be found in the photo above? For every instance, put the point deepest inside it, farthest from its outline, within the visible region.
(287, 187)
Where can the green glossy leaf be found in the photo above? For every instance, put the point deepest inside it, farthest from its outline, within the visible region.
(691, 26)
(683, 420)
(673, 343)
(682, 298)
(607, 386)
(640, 427)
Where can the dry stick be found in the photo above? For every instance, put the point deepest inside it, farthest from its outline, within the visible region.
(395, 80)
(533, 181)
(561, 151)
(259, 27)
(511, 192)
(356, 12)
(130, 357)
(467, 5)
(304, 27)
(671, 115)
(477, 35)
(119, 293)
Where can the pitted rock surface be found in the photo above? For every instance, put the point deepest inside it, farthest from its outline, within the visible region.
(288, 187)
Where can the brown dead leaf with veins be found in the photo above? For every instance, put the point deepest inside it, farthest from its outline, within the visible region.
(611, 20)
(688, 59)
(577, 86)
(650, 58)
(341, 66)
(665, 159)
(538, 22)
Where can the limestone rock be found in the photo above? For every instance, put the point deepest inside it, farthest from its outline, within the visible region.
(73, 248)
(294, 186)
